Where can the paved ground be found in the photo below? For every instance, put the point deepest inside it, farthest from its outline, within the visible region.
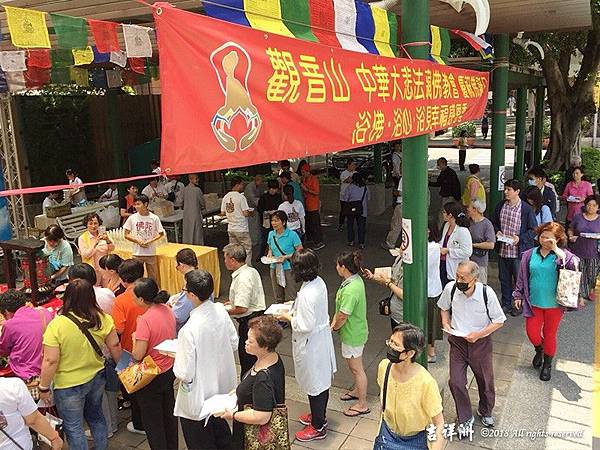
(523, 401)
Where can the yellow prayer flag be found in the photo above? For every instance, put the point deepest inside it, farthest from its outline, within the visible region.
(83, 56)
(79, 76)
(382, 31)
(265, 15)
(27, 27)
(597, 94)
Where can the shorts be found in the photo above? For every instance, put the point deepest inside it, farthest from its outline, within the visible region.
(349, 351)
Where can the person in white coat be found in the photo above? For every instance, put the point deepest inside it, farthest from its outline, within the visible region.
(456, 243)
(312, 343)
(204, 363)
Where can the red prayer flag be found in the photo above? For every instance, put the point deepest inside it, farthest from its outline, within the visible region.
(105, 35)
(39, 58)
(138, 65)
(322, 21)
(36, 77)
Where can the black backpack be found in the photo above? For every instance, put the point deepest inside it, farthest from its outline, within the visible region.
(485, 299)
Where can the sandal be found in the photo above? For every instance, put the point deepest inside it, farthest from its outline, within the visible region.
(356, 412)
(347, 397)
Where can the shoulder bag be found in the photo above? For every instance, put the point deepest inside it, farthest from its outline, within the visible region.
(273, 435)
(384, 305)
(112, 382)
(355, 208)
(567, 289)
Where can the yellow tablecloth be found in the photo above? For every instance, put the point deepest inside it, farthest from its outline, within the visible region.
(171, 280)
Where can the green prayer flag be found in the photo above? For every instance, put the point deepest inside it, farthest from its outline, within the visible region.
(393, 21)
(60, 75)
(79, 76)
(296, 16)
(61, 57)
(71, 32)
(445, 38)
(154, 72)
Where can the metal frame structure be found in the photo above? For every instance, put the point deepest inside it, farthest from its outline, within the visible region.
(11, 169)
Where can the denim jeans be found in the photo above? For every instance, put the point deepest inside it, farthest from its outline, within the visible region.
(83, 402)
(508, 271)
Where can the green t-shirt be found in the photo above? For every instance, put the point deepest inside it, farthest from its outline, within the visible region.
(351, 299)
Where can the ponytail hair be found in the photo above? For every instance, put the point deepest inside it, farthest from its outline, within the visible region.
(455, 210)
(147, 290)
(351, 260)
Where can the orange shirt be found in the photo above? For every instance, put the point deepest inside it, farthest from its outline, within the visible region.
(125, 313)
(311, 201)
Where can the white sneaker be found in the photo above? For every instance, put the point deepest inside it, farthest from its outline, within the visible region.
(131, 429)
(88, 435)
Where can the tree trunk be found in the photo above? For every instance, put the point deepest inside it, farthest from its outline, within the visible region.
(564, 138)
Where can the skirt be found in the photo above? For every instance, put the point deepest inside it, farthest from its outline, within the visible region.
(388, 440)
(590, 269)
(434, 329)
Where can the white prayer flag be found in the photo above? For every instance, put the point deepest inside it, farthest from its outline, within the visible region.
(137, 41)
(345, 25)
(15, 81)
(13, 61)
(119, 58)
(114, 78)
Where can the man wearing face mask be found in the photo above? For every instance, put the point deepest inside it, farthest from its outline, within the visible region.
(476, 314)
(538, 177)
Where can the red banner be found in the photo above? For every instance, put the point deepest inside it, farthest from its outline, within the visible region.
(233, 96)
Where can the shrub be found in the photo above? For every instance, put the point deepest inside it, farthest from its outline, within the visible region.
(590, 159)
(469, 127)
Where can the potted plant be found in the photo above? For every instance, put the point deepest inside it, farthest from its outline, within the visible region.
(469, 128)
(546, 132)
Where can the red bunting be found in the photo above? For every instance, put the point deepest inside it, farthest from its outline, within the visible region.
(137, 65)
(105, 35)
(36, 77)
(39, 58)
(322, 20)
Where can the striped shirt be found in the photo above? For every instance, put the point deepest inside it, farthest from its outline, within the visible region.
(510, 224)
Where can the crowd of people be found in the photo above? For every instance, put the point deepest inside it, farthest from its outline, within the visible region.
(111, 309)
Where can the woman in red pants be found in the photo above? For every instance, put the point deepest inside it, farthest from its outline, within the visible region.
(535, 292)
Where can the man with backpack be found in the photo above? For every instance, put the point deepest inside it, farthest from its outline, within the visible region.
(470, 313)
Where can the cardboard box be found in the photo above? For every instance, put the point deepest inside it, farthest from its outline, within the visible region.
(162, 208)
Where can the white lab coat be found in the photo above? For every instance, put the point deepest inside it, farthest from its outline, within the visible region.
(204, 361)
(460, 248)
(312, 343)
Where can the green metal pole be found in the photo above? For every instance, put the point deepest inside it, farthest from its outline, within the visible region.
(538, 140)
(378, 164)
(520, 133)
(500, 87)
(415, 28)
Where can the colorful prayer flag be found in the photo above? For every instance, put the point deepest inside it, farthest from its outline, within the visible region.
(230, 11)
(36, 77)
(60, 75)
(27, 27)
(130, 78)
(345, 25)
(99, 78)
(137, 41)
(365, 26)
(296, 17)
(100, 57)
(322, 21)
(381, 37)
(61, 57)
(440, 44)
(119, 58)
(137, 64)
(393, 22)
(114, 78)
(39, 58)
(71, 32)
(15, 81)
(13, 61)
(105, 35)
(79, 76)
(83, 56)
(265, 15)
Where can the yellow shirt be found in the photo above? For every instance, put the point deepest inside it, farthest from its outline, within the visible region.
(410, 405)
(79, 362)
(466, 197)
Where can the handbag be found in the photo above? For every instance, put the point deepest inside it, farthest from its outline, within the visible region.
(384, 305)
(273, 435)
(108, 365)
(355, 208)
(139, 375)
(567, 289)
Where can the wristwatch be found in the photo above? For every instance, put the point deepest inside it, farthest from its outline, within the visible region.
(43, 389)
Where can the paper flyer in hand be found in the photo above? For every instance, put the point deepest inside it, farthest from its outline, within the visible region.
(456, 333)
(385, 272)
(168, 347)
(278, 308)
(217, 404)
(506, 239)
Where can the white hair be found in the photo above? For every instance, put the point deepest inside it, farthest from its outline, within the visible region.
(473, 267)
(478, 205)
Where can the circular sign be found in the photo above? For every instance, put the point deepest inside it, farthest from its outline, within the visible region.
(405, 239)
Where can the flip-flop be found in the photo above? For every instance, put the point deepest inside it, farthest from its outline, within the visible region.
(347, 397)
(358, 413)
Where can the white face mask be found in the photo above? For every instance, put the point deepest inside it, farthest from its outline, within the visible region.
(531, 182)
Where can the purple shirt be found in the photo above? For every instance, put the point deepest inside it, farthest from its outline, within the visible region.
(21, 341)
(585, 247)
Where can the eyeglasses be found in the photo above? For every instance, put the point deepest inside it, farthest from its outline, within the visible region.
(391, 344)
(184, 290)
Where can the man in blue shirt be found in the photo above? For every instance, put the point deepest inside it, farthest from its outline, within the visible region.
(286, 178)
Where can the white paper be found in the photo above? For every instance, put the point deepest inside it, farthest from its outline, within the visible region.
(168, 346)
(572, 199)
(456, 333)
(278, 308)
(217, 404)
(590, 235)
(269, 260)
(394, 252)
(505, 239)
(385, 272)
(137, 41)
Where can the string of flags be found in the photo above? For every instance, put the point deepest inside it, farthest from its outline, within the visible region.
(74, 59)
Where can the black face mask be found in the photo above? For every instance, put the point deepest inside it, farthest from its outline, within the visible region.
(394, 355)
(462, 286)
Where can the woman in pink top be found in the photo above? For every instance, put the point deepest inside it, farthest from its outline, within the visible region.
(94, 243)
(157, 399)
(575, 193)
